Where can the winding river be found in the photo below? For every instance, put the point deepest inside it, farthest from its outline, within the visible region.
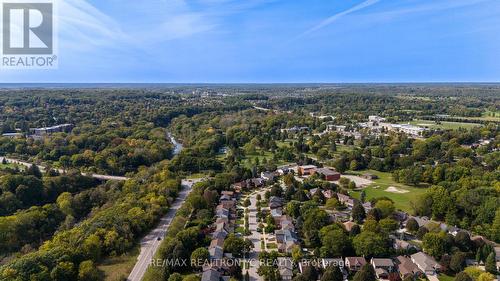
(177, 145)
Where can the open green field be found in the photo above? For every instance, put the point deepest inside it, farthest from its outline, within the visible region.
(340, 148)
(249, 160)
(196, 176)
(443, 125)
(378, 189)
(444, 277)
(491, 115)
(7, 166)
(117, 268)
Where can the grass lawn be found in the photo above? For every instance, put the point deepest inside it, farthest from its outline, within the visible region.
(490, 115)
(118, 268)
(342, 147)
(444, 125)
(285, 143)
(272, 246)
(249, 160)
(377, 189)
(240, 229)
(196, 176)
(444, 277)
(486, 116)
(10, 166)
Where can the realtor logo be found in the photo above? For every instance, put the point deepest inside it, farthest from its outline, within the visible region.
(28, 34)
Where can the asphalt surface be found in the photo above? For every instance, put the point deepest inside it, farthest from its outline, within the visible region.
(254, 237)
(150, 243)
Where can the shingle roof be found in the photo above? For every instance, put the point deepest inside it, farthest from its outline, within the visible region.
(210, 275)
(424, 261)
(382, 262)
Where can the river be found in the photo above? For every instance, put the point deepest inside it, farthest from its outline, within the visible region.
(177, 145)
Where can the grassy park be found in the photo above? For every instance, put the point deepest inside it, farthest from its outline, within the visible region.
(119, 267)
(444, 125)
(379, 188)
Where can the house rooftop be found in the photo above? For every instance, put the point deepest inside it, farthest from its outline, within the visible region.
(377, 262)
(210, 275)
(424, 261)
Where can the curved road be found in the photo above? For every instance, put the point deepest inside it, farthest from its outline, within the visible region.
(61, 171)
(177, 149)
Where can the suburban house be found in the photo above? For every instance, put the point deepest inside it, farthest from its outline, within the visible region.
(382, 267)
(403, 245)
(285, 267)
(312, 192)
(216, 253)
(256, 182)
(210, 275)
(221, 212)
(282, 170)
(346, 200)
(328, 194)
(349, 225)
(407, 268)
(228, 193)
(216, 242)
(268, 176)
(276, 214)
(219, 235)
(354, 263)
(426, 263)
(275, 202)
(340, 216)
(325, 263)
(228, 205)
(286, 239)
(225, 197)
(367, 206)
(307, 170)
(285, 222)
(239, 186)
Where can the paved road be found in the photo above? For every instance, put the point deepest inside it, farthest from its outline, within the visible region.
(61, 171)
(177, 149)
(150, 242)
(254, 237)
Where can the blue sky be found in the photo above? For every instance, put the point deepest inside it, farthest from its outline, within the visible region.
(274, 41)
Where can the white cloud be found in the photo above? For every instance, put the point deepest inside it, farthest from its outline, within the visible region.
(337, 16)
(83, 25)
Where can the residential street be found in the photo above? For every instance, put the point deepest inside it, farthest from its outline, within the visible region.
(255, 236)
